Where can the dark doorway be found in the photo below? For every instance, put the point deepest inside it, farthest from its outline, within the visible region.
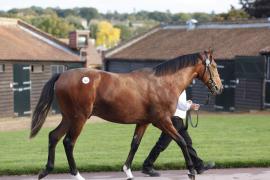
(267, 94)
(21, 88)
(267, 84)
(225, 101)
(250, 73)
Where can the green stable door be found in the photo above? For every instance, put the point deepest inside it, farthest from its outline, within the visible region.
(21, 89)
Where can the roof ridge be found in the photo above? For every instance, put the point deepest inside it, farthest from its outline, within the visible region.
(42, 33)
(240, 21)
(249, 23)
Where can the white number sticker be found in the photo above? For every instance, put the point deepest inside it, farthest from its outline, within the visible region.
(85, 80)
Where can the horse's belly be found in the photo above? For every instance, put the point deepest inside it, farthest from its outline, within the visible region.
(117, 119)
(126, 114)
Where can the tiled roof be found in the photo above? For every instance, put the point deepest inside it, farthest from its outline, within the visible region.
(265, 50)
(20, 41)
(227, 40)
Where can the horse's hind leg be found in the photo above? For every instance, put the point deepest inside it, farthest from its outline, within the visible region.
(138, 134)
(54, 137)
(69, 143)
(167, 127)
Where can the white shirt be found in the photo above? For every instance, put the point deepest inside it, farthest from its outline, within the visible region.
(182, 106)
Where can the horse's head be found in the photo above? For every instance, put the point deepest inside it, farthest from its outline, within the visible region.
(208, 73)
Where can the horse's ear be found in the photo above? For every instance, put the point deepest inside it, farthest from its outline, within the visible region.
(210, 51)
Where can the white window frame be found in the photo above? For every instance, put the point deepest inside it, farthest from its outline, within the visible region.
(58, 68)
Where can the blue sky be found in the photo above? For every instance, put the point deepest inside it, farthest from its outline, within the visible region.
(104, 6)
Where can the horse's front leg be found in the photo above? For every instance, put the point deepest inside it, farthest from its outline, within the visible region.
(167, 127)
(138, 134)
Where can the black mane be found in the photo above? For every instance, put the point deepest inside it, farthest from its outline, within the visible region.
(171, 66)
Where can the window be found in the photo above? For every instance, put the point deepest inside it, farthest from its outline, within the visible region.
(58, 69)
(2, 68)
(37, 68)
(82, 41)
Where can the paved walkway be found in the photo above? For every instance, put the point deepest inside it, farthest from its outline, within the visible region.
(215, 174)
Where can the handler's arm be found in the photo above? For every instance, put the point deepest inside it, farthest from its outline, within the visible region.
(187, 105)
(184, 106)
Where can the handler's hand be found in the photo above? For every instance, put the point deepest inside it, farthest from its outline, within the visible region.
(195, 107)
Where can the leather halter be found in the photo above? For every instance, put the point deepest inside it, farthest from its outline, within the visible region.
(211, 83)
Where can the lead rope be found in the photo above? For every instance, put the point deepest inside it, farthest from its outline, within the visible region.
(188, 115)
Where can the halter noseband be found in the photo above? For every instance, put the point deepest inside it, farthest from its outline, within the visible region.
(211, 83)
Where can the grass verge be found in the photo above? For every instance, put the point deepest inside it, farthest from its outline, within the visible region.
(231, 140)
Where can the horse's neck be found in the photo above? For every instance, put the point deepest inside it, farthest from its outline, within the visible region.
(182, 78)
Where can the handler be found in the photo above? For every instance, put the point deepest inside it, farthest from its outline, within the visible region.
(164, 140)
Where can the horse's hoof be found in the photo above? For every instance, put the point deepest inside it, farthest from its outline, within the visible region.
(191, 176)
(78, 176)
(43, 174)
(128, 172)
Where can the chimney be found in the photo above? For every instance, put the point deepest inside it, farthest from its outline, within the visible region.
(78, 39)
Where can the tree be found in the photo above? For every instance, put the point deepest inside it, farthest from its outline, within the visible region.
(126, 32)
(75, 21)
(13, 11)
(52, 24)
(232, 15)
(3, 14)
(38, 10)
(181, 17)
(142, 15)
(202, 17)
(66, 12)
(235, 14)
(88, 13)
(107, 35)
(160, 16)
(256, 8)
(93, 30)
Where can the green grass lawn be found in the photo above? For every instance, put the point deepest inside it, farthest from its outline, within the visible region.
(231, 140)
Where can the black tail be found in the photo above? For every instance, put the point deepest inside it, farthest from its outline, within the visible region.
(43, 106)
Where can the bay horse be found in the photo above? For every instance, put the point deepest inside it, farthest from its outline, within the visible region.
(141, 97)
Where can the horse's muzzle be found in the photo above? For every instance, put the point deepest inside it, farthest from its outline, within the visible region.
(218, 90)
(221, 89)
(214, 88)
